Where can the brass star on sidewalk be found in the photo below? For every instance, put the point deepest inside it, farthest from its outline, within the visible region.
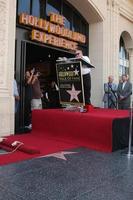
(60, 155)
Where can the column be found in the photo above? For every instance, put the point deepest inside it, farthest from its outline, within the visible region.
(130, 51)
(7, 49)
(112, 38)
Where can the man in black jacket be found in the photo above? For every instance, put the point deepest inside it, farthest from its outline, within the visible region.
(124, 93)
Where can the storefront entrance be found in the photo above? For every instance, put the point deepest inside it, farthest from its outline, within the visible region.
(43, 59)
(45, 31)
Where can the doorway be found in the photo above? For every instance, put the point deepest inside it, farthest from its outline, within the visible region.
(43, 59)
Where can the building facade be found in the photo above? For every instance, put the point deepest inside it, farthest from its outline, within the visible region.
(106, 24)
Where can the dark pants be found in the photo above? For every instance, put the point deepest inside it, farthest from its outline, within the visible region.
(123, 106)
(27, 113)
(87, 88)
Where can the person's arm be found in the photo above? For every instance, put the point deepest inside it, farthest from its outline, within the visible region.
(120, 97)
(29, 80)
(15, 91)
(128, 91)
(114, 88)
(46, 95)
(34, 79)
(106, 88)
(119, 90)
(56, 87)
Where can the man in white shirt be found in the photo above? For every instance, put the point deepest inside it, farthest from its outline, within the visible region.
(86, 77)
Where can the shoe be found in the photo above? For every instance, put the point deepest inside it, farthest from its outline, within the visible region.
(29, 127)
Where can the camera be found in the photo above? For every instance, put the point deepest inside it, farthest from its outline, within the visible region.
(35, 71)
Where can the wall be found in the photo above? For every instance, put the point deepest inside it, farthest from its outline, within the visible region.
(104, 43)
(7, 45)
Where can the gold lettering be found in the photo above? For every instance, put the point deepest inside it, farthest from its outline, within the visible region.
(56, 18)
(46, 38)
(36, 22)
(51, 28)
(35, 35)
(31, 20)
(58, 30)
(53, 40)
(23, 18)
(46, 25)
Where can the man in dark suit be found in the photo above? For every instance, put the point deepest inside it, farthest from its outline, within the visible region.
(124, 93)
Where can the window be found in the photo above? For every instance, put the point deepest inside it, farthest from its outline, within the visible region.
(67, 13)
(123, 59)
(24, 6)
(53, 6)
(76, 23)
(41, 8)
(35, 8)
(84, 28)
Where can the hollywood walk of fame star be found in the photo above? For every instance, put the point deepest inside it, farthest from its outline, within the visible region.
(73, 93)
(60, 155)
(76, 72)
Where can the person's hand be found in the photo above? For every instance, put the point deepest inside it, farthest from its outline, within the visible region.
(121, 97)
(32, 71)
(78, 54)
(35, 76)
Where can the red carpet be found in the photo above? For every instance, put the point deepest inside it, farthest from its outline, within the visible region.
(57, 130)
(10, 145)
(92, 129)
(41, 143)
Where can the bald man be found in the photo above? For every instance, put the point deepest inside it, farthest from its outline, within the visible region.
(110, 94)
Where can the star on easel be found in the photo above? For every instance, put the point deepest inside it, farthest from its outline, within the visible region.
(73, 93)
(76, 72)
(60, 155)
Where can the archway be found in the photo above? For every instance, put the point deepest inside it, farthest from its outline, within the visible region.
(127, 39)
(88, 10)
(125, 53)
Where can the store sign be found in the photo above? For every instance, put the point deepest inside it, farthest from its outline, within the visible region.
(70, 82)
(52, 32)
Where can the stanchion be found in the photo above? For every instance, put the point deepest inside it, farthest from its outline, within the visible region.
(129, 152)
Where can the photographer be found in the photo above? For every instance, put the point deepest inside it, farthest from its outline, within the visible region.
(36, 102)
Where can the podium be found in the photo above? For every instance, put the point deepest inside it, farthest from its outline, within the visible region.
(70, 80)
